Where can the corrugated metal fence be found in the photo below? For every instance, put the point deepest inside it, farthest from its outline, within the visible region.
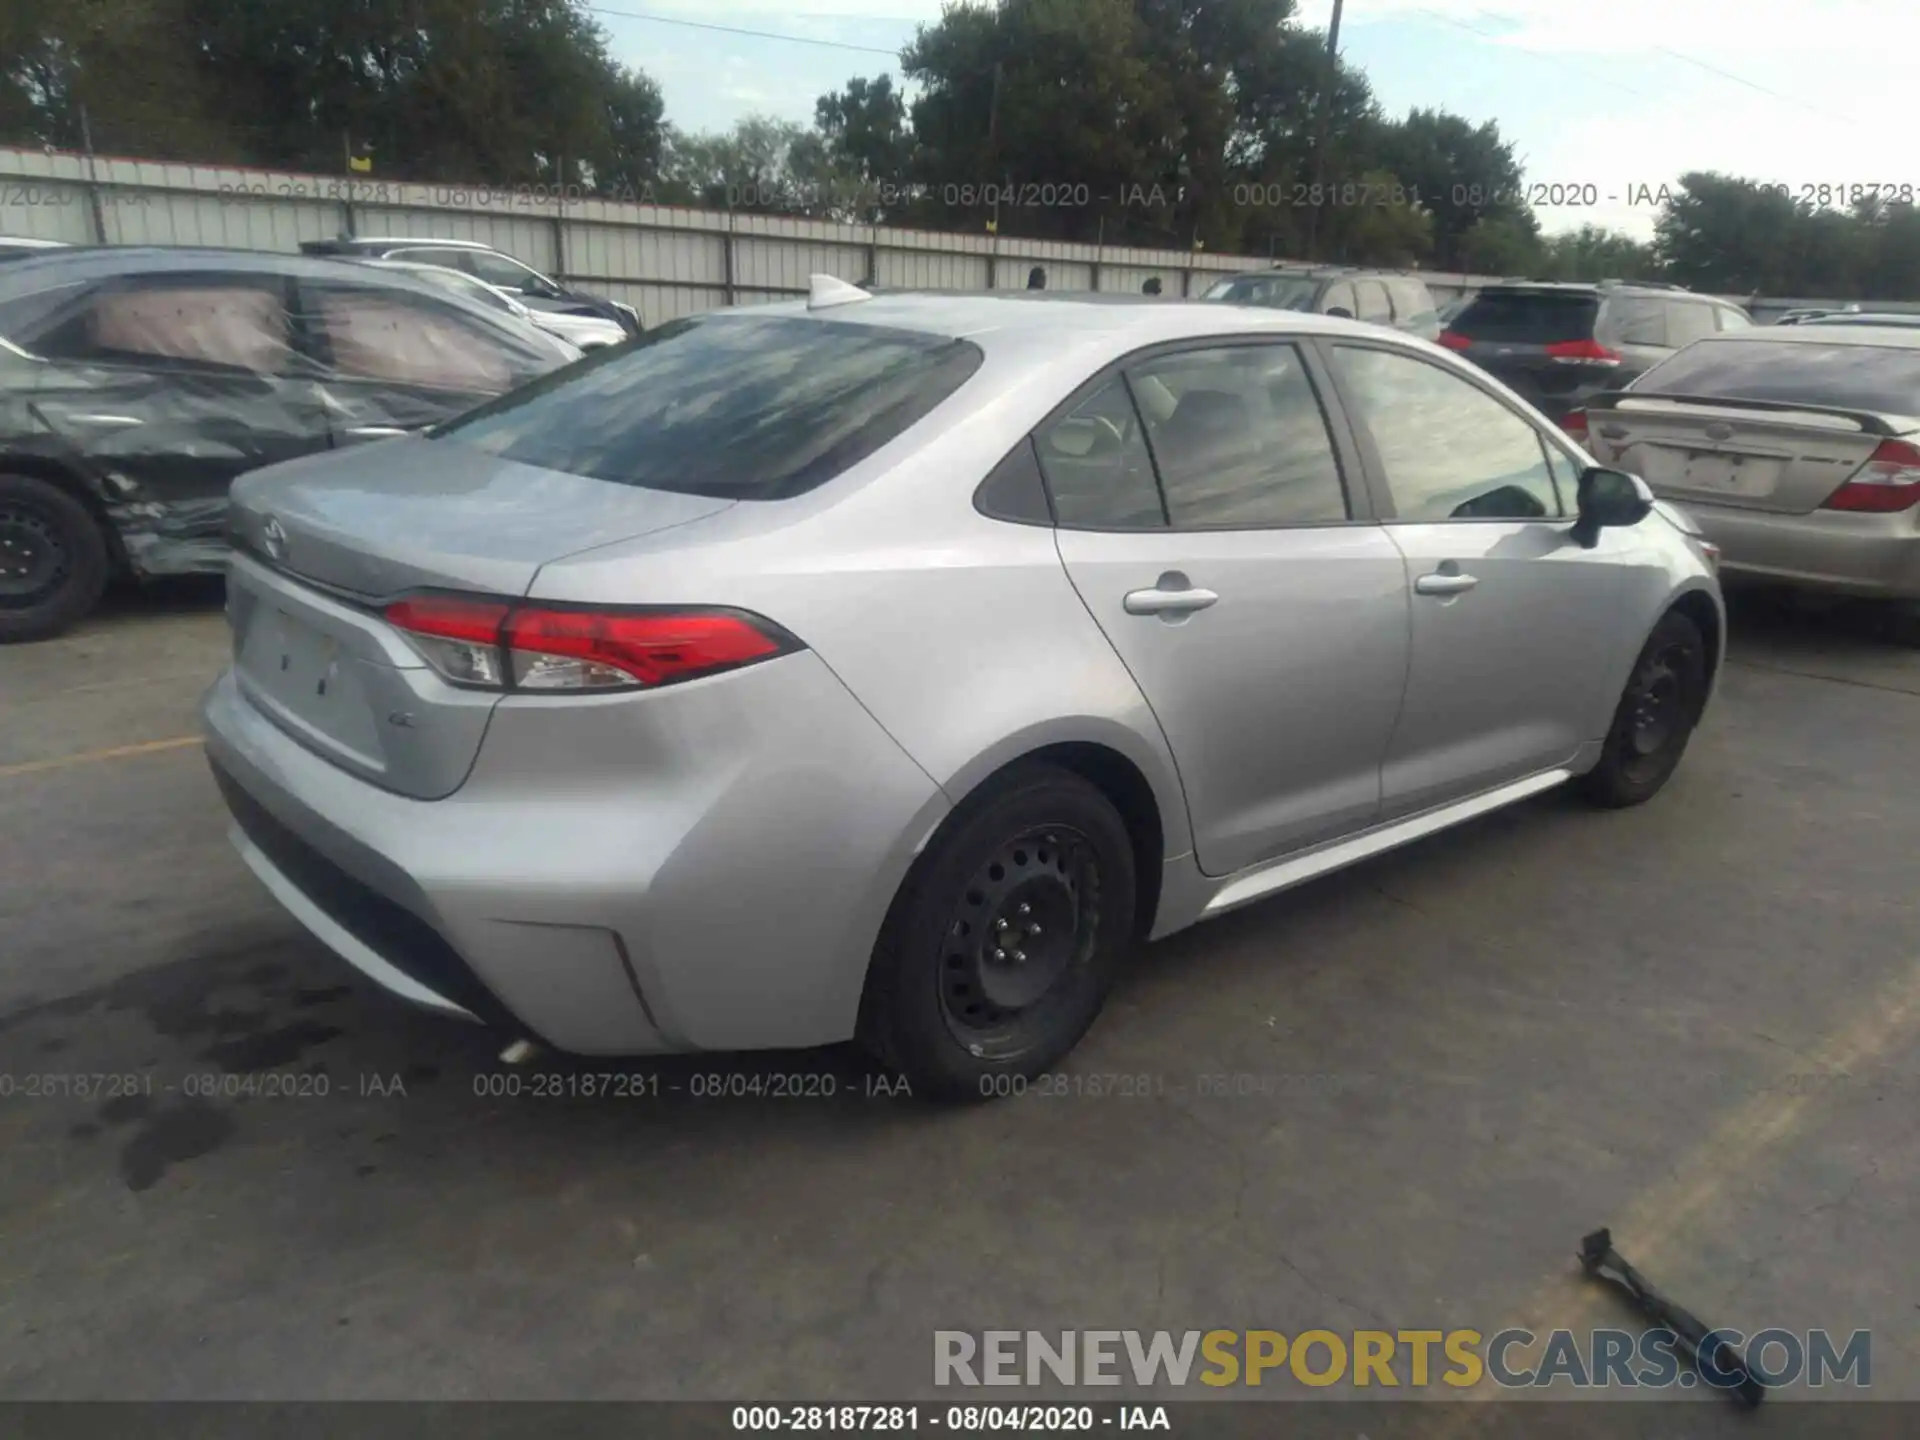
(663, 260)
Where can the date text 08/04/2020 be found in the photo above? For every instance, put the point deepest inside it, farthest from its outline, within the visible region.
(954, 1419)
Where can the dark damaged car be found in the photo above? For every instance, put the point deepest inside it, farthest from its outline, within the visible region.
(137, 383)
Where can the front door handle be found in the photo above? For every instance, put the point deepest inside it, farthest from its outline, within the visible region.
(375, 432)
(1441, 583)
(1172, 594)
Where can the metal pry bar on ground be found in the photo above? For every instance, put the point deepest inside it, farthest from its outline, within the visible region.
(1601, 1261)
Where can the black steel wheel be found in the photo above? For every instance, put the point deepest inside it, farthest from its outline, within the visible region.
(1002, 944)
(53, 559)
(1655, 718)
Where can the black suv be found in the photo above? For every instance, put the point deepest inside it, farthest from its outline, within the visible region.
(502, 271)
(1383, 297)
(1558, 344)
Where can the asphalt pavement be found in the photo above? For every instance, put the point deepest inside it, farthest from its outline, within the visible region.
(1396, 1098)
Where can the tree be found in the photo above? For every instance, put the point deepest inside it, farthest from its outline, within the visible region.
(866, 143)
(498, 91)
(1505, 244)
(1595, 253)
(1468, 181)
(1727, 235)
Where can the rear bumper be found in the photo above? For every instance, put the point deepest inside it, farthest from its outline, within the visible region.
(723, 893)
(1866, 555)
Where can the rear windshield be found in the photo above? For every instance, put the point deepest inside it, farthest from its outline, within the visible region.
(742, 407)
(1852, 377)
(1532, 317)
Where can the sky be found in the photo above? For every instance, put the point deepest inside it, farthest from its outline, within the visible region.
(1607, 99)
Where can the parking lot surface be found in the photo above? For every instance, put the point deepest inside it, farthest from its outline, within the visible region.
(1393, 1099)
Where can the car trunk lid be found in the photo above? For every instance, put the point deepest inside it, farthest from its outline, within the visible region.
(1744, 455)
(415, 513)
(323, 544)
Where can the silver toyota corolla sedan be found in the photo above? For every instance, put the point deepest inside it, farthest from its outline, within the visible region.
(888, 666)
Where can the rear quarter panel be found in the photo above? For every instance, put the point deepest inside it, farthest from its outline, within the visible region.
(960, 634)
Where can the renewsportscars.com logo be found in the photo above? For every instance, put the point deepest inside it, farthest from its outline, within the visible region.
(1599, 1359)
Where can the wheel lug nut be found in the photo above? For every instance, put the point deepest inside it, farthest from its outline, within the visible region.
(1000, 955)
(1033, 929)
(1020, 957)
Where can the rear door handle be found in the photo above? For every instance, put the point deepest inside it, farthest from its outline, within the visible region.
(1172, 594)
(1440, 583)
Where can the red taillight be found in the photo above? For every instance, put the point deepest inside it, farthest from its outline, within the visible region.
(1585, 352)
(1454, 340)
(1888, 483)
(590, 649)
(496, 645)
(1574, 423)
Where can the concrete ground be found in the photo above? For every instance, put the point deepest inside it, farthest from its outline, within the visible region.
(1694, 1022)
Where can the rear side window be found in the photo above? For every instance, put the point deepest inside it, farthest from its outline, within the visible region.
(1339, 297)
(1531, 317)
(1688, 321)
(1244, 443)
(1373, 302)
(1731, 319)
(402, 339)
(226, 322)
(1097, 467)
(1412, 302)
(1638, 320)
(1853, 377)
(739, 407)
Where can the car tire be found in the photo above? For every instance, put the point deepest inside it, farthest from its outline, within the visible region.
(1002, 944)
(1656, 716)
(53, 559)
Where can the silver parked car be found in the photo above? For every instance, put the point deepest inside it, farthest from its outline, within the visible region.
(1796, 450)
(888, 666)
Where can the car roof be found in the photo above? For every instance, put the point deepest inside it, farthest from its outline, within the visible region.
(437, 242)
(1326, 272)
(1094, 326)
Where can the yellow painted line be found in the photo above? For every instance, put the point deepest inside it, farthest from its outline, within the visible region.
(1668, 1216)
(90, 757)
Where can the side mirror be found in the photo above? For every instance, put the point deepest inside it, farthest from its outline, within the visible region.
(1609, 498)
(1340, 312)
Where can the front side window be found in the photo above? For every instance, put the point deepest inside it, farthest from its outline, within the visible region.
(1239, 438)
(734, 406)
(1447, 449)
(401, 339)
(227, 322)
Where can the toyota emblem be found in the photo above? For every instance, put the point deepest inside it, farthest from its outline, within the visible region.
(273, 536)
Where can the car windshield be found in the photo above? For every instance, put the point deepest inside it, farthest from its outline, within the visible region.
(1280, 292)
(1533, 317)
(743, 407)
(1856, 376)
